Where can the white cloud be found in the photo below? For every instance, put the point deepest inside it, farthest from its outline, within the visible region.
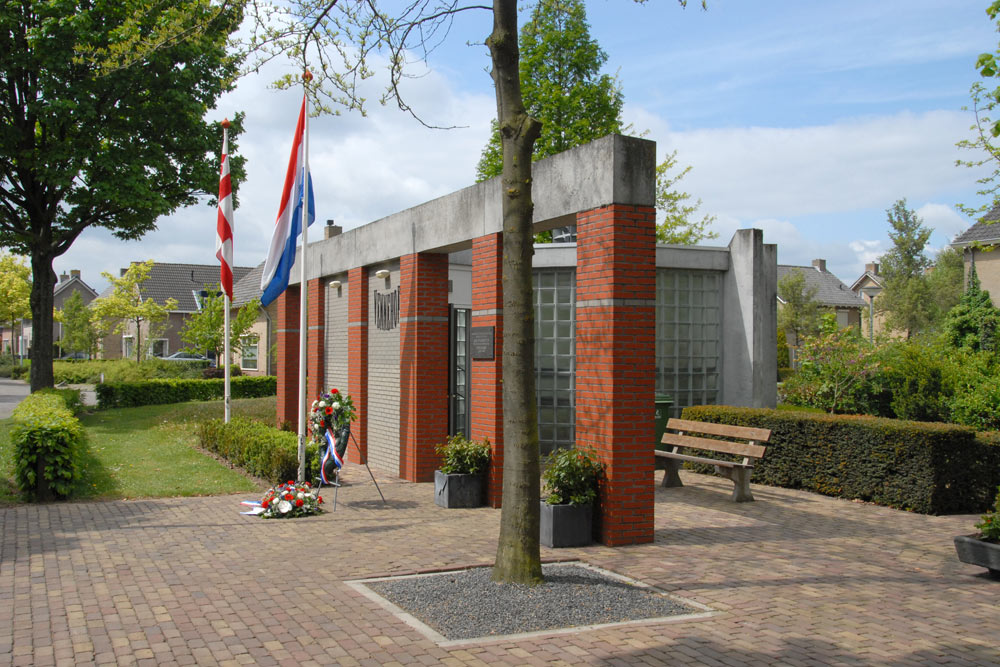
(943, 219)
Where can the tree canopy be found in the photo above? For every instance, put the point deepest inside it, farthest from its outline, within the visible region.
(84, 144)
(906, 297)
(973, 324)
(799, 313)
(127, 308)
(15, 292)
(204, 330)
(78, 332)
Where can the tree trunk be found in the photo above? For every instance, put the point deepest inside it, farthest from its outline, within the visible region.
(518, 556)
(43, 282)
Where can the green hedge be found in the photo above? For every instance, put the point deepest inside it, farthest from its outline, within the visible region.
(925, 467)
(47, 441)
(258, 448)
(155, 392)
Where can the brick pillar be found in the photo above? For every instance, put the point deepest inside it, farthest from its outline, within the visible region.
(357, 352)
(487, 388)
(316, 351)
(615, 363)
(423, 363)
(288, 356)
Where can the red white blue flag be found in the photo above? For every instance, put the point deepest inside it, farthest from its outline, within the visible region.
(288, 226)
(224, 227)
(329, 455)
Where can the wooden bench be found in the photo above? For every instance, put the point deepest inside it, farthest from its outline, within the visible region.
(750, 450)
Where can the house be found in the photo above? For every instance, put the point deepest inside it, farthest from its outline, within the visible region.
(406, 314)
(21, 340)
(980, 245)
(183, 282)
(258, 356)
(832, 295)
(868, 286)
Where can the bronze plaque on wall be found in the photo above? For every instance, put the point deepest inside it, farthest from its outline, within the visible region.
(481, 342)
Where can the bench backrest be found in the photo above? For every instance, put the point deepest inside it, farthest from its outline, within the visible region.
(748, 449)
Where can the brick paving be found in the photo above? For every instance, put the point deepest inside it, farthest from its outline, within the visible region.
(799, 579)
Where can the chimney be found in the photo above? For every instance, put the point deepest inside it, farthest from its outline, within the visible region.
(820, 265)
(872, 268)
(122, 272)
(332, 230)
(74, 273)
(63, 277)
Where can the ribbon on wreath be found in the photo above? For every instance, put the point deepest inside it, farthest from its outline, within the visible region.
(329, 455)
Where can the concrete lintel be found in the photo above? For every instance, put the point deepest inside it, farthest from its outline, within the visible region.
(705, 258)
(611, 170)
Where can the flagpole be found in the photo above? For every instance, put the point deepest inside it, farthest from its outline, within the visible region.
(303, 286)
(227, 287)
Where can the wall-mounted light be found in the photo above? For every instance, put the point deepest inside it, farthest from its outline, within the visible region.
(382, 273)
(335, 284)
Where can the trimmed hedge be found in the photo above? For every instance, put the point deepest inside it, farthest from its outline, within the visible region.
(47, 441)
(930, 468)
(155, 392)
(257, 448)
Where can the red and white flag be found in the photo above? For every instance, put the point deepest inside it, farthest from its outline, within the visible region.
(224, 229)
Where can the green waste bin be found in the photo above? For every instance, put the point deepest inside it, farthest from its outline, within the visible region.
(663, 403)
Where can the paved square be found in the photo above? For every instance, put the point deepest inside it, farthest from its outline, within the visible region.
(798, 578)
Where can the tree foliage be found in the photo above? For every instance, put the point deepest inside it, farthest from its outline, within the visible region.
(204, 330)
(973, 324)
(15, 292)
(799, 313)
(127, 308)
(562, 84)
(906, 299)
(677, 224)
(78, 332)
(88, 144)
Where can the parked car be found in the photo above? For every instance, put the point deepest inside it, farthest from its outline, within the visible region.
(186, 356)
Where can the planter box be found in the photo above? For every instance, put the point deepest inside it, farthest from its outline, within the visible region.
(566, 525)
(454, 491)
(977, 552)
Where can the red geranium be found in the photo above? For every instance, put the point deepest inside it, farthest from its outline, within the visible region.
(288, 496)
(334, 391)
(329, 410)
(319, 500)
(298, 503)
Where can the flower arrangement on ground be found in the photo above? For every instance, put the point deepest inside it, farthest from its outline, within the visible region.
(571, 477)
(291, 499)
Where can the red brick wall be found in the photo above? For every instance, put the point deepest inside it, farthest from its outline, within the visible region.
(423, 380)
(287, 328)
(486, 389)
(357, 352)
(615, 363)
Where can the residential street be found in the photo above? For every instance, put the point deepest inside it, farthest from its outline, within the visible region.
(11, 393)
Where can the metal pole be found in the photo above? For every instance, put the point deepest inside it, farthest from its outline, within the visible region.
(303, 290)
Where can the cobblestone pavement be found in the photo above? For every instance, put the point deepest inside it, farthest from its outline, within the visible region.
(798, 579)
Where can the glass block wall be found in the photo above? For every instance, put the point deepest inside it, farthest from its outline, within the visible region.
(688, 336)
(555, 356)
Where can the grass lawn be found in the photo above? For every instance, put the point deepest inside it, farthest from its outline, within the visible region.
(148, 452)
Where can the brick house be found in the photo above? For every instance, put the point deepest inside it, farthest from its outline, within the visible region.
(11, 342)
(405, 313)
(980, 245)
(183, 282)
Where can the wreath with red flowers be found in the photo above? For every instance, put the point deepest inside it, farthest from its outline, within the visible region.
(332, 411)
(289, 500)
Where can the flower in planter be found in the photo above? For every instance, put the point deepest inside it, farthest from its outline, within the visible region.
(571, 476)
(290, 500)
(461, 456)
(989, 524)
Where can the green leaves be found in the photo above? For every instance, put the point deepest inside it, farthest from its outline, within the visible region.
(571, 477)
(461, 456)
(47, 439)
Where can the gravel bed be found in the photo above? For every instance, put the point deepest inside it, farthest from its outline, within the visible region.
(466, 604)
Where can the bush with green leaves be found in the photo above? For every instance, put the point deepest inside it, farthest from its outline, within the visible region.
(834, 368)
(155, 392)
(261, 450)
(571, 477)
(47, 441)
(461, 456)
(989, 523)
(124, 370)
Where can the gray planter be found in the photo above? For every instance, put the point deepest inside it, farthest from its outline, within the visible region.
(566, 525)
(974, 551)
(458, 490)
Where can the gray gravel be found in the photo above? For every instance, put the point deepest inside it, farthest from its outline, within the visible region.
(465, 605)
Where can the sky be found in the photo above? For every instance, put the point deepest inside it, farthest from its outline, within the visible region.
(805, 119)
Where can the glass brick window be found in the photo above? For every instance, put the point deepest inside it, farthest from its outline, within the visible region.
(688, 336)
(555, 356)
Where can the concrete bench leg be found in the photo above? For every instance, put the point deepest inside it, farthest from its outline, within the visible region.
(741, 482)
(670, 476)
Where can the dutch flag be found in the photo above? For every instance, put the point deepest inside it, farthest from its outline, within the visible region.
(288, 226)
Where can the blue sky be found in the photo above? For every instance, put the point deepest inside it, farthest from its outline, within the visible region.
(805, 119)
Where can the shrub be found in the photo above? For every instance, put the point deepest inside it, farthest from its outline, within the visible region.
(977, 405)
(47, 441)
(259, 449)
(124, 370)
(833, 369)
(989, 524)
(924, 467)
(461, 456)
(571, 477)
(213, 372)
(155, 392)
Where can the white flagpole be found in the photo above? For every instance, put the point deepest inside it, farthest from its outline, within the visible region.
(304, 288)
